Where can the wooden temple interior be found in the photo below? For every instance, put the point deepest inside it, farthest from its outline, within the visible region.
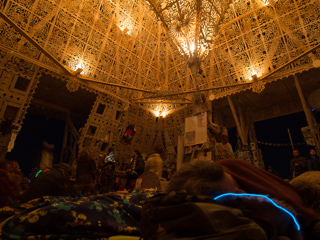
(99, 65)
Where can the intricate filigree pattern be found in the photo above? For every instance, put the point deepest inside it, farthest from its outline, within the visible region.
(123, 42)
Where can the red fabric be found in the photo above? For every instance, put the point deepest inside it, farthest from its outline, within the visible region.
(255, 180)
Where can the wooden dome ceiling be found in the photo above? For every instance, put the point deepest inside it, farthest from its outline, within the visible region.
(126, 51)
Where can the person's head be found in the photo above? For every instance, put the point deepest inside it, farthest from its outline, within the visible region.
(136, 153)
(224, 139)
(110, 150)
(47, 147)
(131, 181)
(117, 179)
(313, 153)
(296, 153)
(203, 178)
(14, 166)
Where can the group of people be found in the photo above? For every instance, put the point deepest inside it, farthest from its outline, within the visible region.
(202, 178)
(300, 164)
(90, 177)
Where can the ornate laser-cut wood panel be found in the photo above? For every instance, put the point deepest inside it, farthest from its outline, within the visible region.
(124, 43)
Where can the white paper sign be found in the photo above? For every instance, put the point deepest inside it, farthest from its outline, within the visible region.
(196, 129)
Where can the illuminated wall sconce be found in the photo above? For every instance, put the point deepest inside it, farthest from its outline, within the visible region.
(315, 61)
(125, 30)
(77, 72)
(271, 3)
(160, 114)
(254, 77)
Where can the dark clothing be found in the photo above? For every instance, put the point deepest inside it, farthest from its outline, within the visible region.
(115, 187)
(137, 165)
(165, 174)
(255, 180)
(298, 165)
(8, 193)
(86, 170)
(314, 164)
(125, 187)
(49, 183)
(107, 177)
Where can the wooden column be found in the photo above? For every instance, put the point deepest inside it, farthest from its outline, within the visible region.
(236, 119)
(311, 122)
(65, 138)
(180, 151)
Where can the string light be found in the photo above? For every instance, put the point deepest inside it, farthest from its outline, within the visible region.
(262, 196)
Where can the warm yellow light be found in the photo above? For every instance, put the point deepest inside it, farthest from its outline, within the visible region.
(192, 48)
(254, 76)
(157, 113)
(271, 2)
(124, 29)
(79, 66)
(163, 114)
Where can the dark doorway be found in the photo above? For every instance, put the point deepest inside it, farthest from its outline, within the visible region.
(46, 119)
(34, 131)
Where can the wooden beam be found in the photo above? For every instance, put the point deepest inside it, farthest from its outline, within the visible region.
(86, 79)
(33, 42)
(162, 102)
(50, 105)
(262, 78)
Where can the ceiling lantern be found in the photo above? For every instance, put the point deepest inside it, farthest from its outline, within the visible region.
(192, 25)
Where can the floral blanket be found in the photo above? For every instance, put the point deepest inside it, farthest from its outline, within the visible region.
(93, 217)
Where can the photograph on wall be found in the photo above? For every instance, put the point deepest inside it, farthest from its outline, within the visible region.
(128, 134)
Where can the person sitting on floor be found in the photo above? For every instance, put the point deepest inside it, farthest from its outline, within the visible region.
(130, 183)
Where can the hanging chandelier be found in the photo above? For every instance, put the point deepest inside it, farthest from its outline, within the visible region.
(192, 25)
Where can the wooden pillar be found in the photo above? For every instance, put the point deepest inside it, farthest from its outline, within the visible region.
(236, 119)
(65, 138)
(210, 110)
(313, 130)
(180, 151)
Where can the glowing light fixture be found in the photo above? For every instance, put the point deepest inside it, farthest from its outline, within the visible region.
(192, 25)
(157, 113)
(124, 29)
(315, 61)
(161, 111)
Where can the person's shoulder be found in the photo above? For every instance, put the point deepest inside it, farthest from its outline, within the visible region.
(237, 164)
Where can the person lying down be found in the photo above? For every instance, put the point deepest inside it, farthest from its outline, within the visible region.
(228, 199)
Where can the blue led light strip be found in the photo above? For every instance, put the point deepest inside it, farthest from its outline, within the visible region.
(263, 196)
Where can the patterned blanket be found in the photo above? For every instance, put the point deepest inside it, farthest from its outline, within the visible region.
(93, 217)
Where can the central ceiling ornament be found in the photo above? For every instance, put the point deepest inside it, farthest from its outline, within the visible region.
(192, 25)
